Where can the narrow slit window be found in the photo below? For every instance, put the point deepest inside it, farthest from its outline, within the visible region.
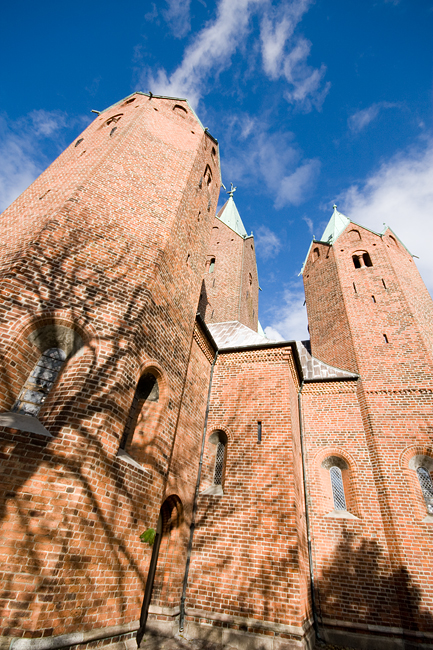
(354, 288)
(219, 463)
(385, 338)
(337, 488)
(259, 432)
(373, 298)
(212, 265)
(384, 285)
(426, 485)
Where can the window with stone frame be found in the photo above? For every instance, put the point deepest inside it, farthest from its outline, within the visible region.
(40, 382)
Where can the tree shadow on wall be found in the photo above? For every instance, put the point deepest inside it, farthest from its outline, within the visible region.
(71, 512)
(358, 585)
(246, 556)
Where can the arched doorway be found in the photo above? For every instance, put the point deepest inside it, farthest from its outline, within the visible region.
(165, 576)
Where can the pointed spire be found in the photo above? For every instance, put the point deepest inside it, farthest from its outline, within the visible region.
(335, 227)
(230, 216)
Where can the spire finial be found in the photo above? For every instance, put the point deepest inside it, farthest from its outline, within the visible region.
(232, 190)
(335, 206)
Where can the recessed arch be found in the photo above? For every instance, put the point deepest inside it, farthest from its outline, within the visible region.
(113, 119)
(354, 234)
(180, 110)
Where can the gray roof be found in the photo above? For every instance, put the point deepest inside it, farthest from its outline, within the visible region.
(230, 216)
(314, 369)
(236, 335)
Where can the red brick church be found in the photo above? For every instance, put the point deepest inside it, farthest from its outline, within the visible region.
(166, 467)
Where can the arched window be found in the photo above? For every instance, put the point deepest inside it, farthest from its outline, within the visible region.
(114, 119)
(207, 175)
(356, 261)
(337, 488)
(361, 259)
(367, 260)
(426, 484)
(214, 464)
(212, 265)
(147, 391)
(40, 382)
(219, 463)
(316, 254)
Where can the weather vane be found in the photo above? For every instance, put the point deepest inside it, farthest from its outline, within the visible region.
(232, 190)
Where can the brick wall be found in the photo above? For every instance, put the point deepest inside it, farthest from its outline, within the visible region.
(114, 251)
(385, 335)
(230, 289)
(250, 547)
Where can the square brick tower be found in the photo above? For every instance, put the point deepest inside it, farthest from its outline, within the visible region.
(370, 442)
(230, 289)
(101, 267)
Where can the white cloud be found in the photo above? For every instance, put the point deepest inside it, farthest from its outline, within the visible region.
(267, 243)
(178, 17)
(283, 57)
(304, 81)
(309, 223)
(293, 188)
(362, 118)
(211, 51)
(400, 194)
(23, 146)
(289, 318)
(46, 123)
(151, 15)
(273, 158)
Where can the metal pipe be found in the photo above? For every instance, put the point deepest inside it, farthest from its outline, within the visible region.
(194, 506)
(307, 517)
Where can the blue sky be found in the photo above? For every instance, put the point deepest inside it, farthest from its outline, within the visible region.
(312, 103)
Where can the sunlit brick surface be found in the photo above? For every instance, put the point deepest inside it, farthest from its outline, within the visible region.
(110, 242)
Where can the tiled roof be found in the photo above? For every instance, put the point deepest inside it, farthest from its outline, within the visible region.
(236, 335)
(233, 334)
(313, 369)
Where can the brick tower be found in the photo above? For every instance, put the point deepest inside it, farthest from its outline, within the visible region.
(230, 289)
(369, 312)
(101, 267)
(176, 469)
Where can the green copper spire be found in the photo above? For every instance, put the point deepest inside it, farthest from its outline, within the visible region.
(230, 216)
(335, 227)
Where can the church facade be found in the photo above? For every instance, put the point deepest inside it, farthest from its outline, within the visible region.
(166, 467)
